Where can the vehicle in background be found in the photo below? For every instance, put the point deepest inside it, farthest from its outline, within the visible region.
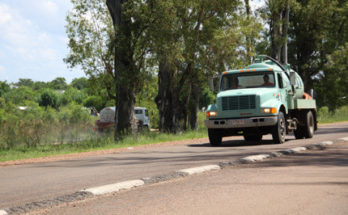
(107, 118)
(142, 114)
(263, 98)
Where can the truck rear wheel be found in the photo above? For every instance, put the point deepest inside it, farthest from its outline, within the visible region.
(215, 137)
(279, 131)
(307, 130)
(253, 138)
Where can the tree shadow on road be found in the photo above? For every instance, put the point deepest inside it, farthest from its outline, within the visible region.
(332, 156)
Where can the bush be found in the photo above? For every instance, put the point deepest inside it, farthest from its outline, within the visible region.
(37, 125)
(49, 98)
(94, 101)
(19, 95)
(73, 95)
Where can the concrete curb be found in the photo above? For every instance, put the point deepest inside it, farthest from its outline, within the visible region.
(345, 139)
(201, 169)
(127, 185)
(110, 188)
(254, 158)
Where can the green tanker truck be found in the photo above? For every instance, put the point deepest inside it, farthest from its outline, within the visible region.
(263, 98)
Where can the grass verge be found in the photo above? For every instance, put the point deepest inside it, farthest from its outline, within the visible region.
(340, 115)
(101, 143)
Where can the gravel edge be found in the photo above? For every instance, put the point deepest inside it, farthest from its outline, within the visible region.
(127, 185)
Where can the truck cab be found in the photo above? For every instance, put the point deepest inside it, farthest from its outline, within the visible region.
(263, 98)
(142, 114)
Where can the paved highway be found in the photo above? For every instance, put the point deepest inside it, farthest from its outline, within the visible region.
(311, 182)
(35, 182)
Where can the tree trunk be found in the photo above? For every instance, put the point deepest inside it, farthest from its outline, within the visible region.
(125, 72)
(285, 34)
(194, 105)
(165, 99)
(276, 31)
(248, 38)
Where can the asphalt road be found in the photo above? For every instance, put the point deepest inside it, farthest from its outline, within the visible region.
(312, 182)
(35, 182)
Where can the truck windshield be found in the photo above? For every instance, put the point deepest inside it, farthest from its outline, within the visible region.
(244, 80)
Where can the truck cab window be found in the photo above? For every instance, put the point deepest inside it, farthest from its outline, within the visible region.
(242, 80)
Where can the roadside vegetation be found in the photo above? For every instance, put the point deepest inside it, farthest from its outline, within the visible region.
(340, 115)
(91, 141)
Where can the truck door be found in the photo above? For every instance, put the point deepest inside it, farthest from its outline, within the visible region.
(283, 85)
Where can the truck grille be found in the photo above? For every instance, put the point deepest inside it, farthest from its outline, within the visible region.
(238, 102)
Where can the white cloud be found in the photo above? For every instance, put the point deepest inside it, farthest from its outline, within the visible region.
(5, 15)
(22, 37)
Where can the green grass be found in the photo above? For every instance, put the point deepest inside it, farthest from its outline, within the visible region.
(340, 115)
(101, 143)
(106, 142)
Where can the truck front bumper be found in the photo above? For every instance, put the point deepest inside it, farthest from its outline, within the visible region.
(242, 123)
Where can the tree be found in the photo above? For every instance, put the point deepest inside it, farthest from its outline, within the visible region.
(4, 88)
(333, 84)
(94, 101)
(278, 20)
(72, 94)
(91, 43)
(131, 20)
(19, 96)
(79, 83)
(40, 85)
(316, 30)
(25, 82)
(192, 39)
(58, 84)
(315, 35)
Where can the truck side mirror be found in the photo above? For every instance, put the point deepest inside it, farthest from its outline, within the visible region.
(292, 78)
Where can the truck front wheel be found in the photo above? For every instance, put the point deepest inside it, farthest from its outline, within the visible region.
(279, 131)
(215, 137)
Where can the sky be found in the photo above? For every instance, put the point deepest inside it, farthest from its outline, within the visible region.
(33, 42)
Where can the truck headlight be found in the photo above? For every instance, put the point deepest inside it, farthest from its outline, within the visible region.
(270, 110)
(211, 113)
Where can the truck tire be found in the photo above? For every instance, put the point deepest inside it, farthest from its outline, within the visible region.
(309, 127)
(279, 130)
(307, 130)
(215, 137)
(253, 138)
